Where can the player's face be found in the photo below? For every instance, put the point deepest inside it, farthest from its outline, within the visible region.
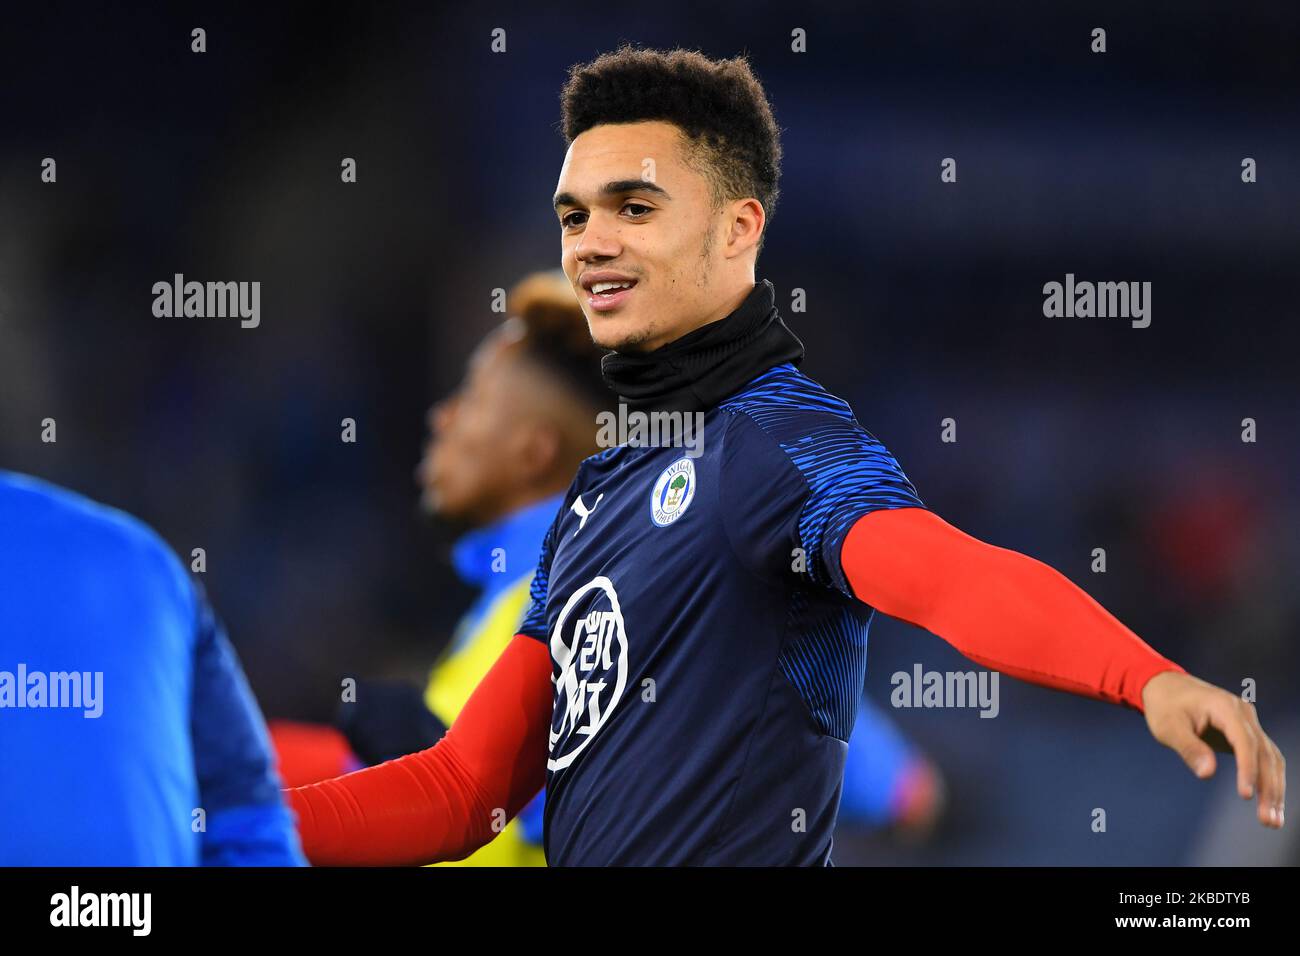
(469, 473)
(630, 207)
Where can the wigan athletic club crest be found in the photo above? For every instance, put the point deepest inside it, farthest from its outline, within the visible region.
(672, 493)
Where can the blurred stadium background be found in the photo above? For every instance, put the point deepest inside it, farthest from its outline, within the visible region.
(924, 302)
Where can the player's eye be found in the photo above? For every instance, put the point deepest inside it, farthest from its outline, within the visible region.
(634, 209)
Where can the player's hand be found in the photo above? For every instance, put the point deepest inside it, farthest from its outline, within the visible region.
(1195, 718)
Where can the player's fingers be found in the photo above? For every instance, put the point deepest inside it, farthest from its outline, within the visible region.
(1272, 771)
(1272, 782)
(1281, 790)
(1229, 715)
(1196, 753)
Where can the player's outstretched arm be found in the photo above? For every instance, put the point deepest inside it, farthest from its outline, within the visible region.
(445, 802)
(1016, 615)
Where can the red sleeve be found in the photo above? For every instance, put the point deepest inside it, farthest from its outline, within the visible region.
(1000, 608)
(445, 802)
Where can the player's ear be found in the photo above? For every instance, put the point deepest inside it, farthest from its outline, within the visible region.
(747, 219)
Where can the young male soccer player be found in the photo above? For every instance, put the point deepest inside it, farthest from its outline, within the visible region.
(688, 672)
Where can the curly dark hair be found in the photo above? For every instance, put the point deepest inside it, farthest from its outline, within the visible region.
(719, 105)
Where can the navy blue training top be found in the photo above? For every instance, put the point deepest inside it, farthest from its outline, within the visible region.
(707, 653)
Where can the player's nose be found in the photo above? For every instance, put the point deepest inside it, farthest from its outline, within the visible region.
(599, 239)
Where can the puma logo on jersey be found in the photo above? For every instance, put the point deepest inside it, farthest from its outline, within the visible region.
(582, 511)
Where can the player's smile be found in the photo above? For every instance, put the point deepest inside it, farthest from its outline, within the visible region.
(607, 291)
(608, 301)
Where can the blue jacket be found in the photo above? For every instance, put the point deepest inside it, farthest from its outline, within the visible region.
(128, 735)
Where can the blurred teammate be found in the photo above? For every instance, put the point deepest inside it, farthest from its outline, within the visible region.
(128, 736)
(501, 451)
(689, 669)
